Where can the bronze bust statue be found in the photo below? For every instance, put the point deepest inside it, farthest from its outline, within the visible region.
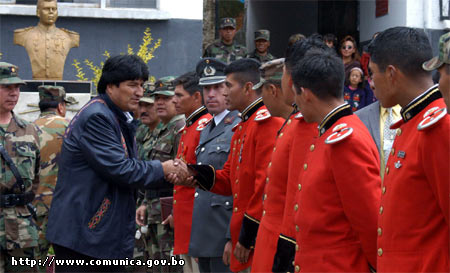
(47, 45)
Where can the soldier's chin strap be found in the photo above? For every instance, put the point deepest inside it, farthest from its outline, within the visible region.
(12, 200)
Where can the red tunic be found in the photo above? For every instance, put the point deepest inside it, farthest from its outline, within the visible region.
(273, 201)
(303, 133)
(183, 197)
(244, 175)
(337, 201)
(413, 222)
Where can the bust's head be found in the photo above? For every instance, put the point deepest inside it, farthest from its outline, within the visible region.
(47, 11)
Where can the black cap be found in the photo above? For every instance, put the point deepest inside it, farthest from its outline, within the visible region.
(210, 71)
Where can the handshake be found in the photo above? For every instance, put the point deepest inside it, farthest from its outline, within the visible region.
(178, 173)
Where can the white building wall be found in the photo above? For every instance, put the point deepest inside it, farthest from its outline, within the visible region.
(411, 13)
(183, 9)
(167, 9)
(425, 14)
(369, 24)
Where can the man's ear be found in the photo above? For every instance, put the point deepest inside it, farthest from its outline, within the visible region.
(392, 74)
(61, 108)
(274, 90)
(198, 97)
(248, 87)
(308, 95)
(108, 88)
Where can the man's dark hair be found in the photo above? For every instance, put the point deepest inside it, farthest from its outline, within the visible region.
(298, 50)
(245, 70)
(122, 68)
(321, 72)
(330, 37)
(48, 105)
(189, 81)
(403, 47)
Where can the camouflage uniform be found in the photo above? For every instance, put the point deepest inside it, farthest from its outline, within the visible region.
(261, 59)
(144, 139)
(18, 233)
(162, 145)
(225, 53)
(52, 128)
(261, 34)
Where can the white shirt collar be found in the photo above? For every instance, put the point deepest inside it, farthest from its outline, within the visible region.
(219, 117)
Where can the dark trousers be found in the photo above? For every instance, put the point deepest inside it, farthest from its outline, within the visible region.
(63, 253)
(212, 264)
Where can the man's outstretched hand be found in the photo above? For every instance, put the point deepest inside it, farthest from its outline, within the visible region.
(177, 172)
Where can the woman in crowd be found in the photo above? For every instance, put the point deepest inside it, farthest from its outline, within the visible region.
(350, 55)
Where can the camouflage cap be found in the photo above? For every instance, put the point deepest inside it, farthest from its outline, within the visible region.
(271, 70)
(164, 86)
(148, 97)
(228, 22)
(262, 34)
(52, 93)
(71, 100)
(211, 71)
(8, 74)
(444, 54)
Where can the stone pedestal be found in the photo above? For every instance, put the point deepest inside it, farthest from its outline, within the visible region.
(27, 107)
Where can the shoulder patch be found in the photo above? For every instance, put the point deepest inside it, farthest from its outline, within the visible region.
(339, 127)
(262, 114)
(202, 123)
(340, 132)
(431, 117)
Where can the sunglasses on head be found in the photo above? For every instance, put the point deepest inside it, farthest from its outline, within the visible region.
(347, 47)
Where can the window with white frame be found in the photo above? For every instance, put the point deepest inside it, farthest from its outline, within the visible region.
(444, 8)
(146, 4)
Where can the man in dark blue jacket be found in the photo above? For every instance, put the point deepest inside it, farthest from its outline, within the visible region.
(93, 209)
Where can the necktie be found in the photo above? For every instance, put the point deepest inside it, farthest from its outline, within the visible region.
(388, 135)
(213, 124)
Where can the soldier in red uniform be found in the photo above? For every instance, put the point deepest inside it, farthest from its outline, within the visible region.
(244, 174)
(302, 132)
(338, 195)
(188, 101)
(275, 189)
(413, 221)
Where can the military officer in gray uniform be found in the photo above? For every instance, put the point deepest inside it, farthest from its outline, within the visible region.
(210, 238)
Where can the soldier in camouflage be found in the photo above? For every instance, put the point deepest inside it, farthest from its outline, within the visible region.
(145, 136)
(52, 123)
(226, 49)
(146, 133)
(262, 44)
(18, 233)
(164, 147)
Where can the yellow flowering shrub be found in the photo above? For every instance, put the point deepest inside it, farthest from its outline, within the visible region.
(146, 52)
